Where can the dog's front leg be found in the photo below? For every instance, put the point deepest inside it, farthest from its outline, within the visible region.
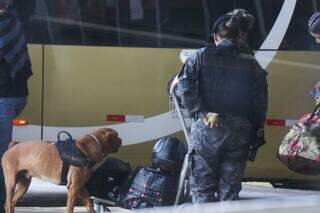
(10, 184)
(73, 191)
(85, 198)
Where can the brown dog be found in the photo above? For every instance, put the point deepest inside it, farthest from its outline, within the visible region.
(40, 159)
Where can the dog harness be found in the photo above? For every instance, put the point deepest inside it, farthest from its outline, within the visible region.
(70, 154)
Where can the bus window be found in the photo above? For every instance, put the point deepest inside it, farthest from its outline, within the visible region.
(265, 13)
(154, 23)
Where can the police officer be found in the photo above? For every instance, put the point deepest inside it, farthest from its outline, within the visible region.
(225, 92)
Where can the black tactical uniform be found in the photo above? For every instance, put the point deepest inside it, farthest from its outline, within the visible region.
(226, 80)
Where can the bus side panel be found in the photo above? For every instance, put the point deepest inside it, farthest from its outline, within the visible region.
(84, 84)
(291, 76)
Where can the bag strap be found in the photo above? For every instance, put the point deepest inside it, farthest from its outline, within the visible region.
(128, 183)
(313, 114)
(65, 132)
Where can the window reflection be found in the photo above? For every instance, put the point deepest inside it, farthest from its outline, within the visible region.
(153, 23)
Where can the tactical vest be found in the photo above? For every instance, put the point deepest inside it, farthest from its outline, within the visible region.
(226, 81)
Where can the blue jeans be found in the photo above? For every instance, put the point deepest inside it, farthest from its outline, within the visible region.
(9, 109)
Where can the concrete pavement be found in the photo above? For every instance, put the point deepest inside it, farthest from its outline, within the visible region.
(48, 198)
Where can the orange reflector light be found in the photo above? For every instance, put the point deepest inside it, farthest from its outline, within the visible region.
(19, 122)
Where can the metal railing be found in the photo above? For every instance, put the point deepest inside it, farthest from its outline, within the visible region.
(184, 170)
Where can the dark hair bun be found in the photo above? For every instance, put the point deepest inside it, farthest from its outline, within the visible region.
(241, 19)
(234, 26)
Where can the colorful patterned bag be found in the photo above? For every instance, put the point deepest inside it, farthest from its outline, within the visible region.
(300, 148)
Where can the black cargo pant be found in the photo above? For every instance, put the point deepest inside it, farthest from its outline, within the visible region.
(218, 158)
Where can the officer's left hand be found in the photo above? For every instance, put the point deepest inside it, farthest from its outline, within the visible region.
(210, 119)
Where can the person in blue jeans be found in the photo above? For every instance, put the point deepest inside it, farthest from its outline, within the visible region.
(15, 69)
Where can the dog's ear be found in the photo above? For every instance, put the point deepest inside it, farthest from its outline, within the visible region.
(109, 140)
(90, 148)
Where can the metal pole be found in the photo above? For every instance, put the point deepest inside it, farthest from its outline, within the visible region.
(206, 17)
(260, 14)
(118, 21)
(184, 169)
(158, 18)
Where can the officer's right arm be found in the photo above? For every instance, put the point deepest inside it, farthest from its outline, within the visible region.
(187, 89)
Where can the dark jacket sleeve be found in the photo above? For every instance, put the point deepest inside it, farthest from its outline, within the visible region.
(187, 89)
(260, 106)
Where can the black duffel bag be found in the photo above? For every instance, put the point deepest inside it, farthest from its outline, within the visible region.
(149, 187)
(108, 179)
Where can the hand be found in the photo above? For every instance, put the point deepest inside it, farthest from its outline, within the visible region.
(211, 120)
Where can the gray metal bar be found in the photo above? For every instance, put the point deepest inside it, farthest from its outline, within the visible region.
(184, 169)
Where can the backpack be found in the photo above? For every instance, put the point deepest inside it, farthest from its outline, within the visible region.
(149, 187)
(300, 148)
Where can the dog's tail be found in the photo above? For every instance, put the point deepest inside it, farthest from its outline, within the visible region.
(12, 143)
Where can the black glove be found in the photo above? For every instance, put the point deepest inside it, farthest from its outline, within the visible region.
(257, 141)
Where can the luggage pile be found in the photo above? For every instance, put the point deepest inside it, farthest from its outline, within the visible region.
(151, 186)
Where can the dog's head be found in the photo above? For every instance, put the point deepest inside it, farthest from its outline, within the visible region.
(99, 143)
(108, 139)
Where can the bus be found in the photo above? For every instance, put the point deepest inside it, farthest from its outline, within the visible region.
(107, 63)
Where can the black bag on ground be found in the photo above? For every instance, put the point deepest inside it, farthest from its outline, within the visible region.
(150, 187)
(108, 178)
(157, 185)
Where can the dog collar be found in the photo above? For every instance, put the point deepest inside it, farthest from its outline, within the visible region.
(96, 139)
(98, 142)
